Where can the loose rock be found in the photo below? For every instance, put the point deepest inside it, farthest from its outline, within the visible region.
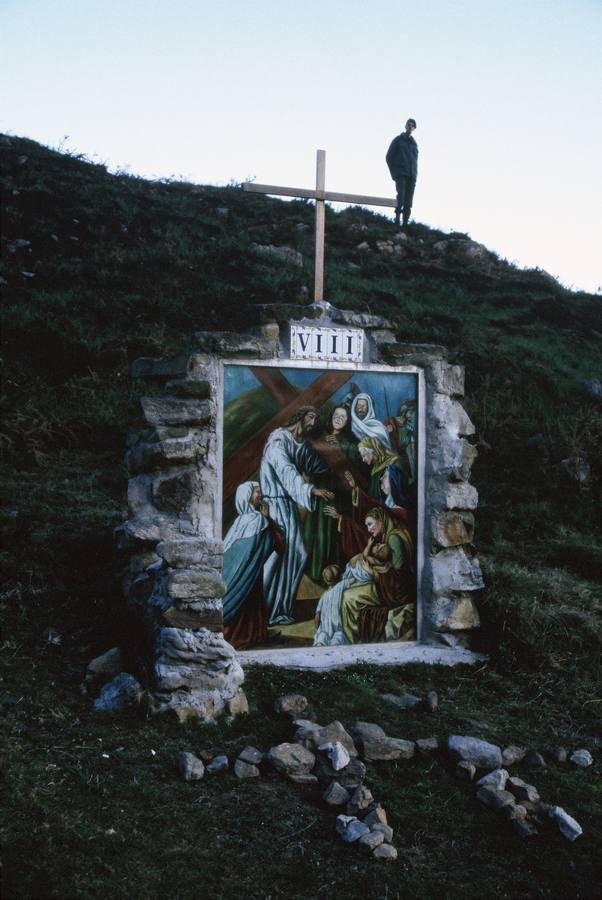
(291, 759)
(558, 754)
(480, 753)
(385, 852)
(243, 770)
(496, 779)
(312, 735)
(513, 754)
(251, 755)
(533, 758)
(218, 765)
(427, 746)
(376, 816)
(351, 829)
(524, 829)
(582, 758)
(120, 693)
(372, 840)
(515, 813)
(335, 794)
(494, 798)
(360, 800)
(404, 701)
(432, 701)
(302, 778)
(521, 790)
(337, 754)
(375, 744)
(104, 667)
(569, 827)
(294, 705)
(384, 829)
(190, 767)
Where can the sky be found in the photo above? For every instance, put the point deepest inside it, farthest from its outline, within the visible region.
(506, 94)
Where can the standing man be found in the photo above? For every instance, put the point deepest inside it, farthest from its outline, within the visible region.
(287, 457)
(402, 160)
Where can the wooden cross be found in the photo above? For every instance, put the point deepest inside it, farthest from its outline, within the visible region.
(320, 195)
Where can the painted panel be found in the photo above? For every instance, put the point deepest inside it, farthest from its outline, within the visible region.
(320, 495)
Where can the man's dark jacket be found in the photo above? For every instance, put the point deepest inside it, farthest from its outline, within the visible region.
(402, 156)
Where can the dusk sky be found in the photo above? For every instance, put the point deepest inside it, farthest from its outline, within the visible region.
(506, 96)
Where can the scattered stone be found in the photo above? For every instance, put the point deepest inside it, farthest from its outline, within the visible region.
(515, 813)
(238, 705)
(350, 777)
(494, 798)
(291, 759)
(480, 753)
(312, 736)
(372, 840)
(533, 758)
(302, 778)
(524, 829)
(218, 765)
(582, 758)
(432, 701)
(360, 801)
(190, 767)
(569, 827)
(206, 756)
(513, 754)
(404, 701)
(558, 754)
(251, 755)
(284, 254)
(496, 779)
(351, 829)
(243, 769)
(384, 829)
(385, 852)
(104, 667)
(375, 744)
(465, 770)
(121, 692)
(427, 746)
(364, 247)
(376, 816)
(293, 705)
(521, 790)
(337, 754)
(335, 794)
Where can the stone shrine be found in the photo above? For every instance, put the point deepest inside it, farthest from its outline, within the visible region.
(206, 432)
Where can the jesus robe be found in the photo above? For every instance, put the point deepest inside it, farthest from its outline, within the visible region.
(283, 487)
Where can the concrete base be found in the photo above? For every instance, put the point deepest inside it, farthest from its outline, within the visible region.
(391, 654)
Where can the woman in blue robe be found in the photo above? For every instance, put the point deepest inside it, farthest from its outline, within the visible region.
(249, 541)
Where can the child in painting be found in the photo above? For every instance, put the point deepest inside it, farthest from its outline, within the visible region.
(250, 540)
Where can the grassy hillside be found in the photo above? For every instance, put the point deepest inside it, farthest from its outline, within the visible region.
(98, 269)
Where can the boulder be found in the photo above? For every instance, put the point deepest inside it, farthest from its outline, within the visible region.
(494, 798)
(302, 778)
(427, 746)
(431, 701)
(360, 801)
(349, 777)
(104, 667)
(465, 770)
(218, 765)
(375, 745)
(521, 790)
(190, 767)
(293, 705)
(351, 829)
(371, 840)
(404, 701)
(337, 754)
(376, 816)
(513, 754)
(335, 794)
(251, 755)
(481, 754)
(524, 829)
(496, 779)
(558, 754)
(569, 827)
(291, 759)
(581, 758)
(244, 770)
(121, 692)
(533, 758)
(384, 829)
(312, 736)
(386, 852)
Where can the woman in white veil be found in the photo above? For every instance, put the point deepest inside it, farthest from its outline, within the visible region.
(364, 422)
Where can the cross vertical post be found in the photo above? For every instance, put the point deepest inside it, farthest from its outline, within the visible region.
(320, 225)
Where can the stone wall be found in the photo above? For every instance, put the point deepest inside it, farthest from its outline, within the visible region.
(174, 584)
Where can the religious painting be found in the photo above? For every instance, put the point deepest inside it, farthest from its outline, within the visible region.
(320, 498)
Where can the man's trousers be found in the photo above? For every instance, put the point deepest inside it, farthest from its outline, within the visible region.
(405, 185)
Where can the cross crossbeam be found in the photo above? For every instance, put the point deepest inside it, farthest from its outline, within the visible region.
(321, 196)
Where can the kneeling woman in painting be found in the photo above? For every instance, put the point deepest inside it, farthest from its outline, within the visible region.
(375, 599)
(250, 540)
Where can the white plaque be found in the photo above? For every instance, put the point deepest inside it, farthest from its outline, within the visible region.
(324, 343)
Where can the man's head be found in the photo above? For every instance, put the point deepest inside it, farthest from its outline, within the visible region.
(410, 126)
(361, 408)
(307, 420)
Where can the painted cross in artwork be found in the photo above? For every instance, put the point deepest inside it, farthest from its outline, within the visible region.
(320, 482)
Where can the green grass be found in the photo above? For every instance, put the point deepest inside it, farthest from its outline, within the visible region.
(151, 264)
